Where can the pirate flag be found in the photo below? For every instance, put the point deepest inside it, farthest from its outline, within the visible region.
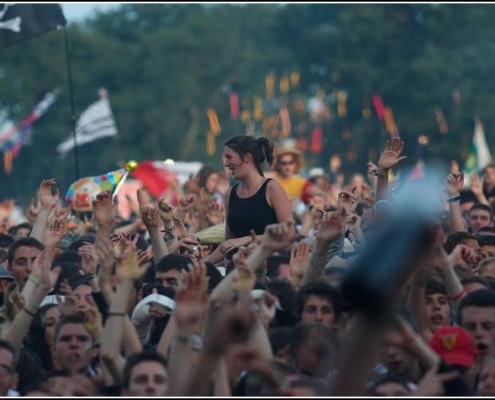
(19, 21)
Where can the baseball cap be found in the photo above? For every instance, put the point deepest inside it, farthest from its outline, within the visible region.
(454, 345)
(316, 172)
(4, 274)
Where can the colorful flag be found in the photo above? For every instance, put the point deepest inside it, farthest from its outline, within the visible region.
(19, 21)
(95, 122)
(479, 154)
(81, 193)
(154, 176)
(13, 138)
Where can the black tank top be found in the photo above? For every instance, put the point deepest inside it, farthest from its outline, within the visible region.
(251, 213)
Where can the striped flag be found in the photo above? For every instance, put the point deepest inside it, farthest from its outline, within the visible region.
(15, 136)
(95, 122)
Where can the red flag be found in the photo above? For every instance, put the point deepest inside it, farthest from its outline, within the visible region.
(379, 107)
(154, 175)
(234, 105)
(316, 146)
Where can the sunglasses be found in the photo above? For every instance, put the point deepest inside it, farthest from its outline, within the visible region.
(287, 162)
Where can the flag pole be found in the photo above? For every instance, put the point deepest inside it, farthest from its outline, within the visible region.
(72, 108)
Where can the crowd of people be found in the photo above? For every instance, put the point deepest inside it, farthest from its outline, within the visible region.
(284, 283)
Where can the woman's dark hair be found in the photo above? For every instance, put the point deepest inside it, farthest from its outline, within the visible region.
(203, 174)
(261, 149)
(35, 339)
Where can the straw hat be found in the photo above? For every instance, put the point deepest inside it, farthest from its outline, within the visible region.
(298, 157)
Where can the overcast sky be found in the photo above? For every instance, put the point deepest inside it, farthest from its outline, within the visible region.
(79, 11)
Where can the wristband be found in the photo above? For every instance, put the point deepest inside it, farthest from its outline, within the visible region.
(458, 295)
(452, 199)
(116, 314)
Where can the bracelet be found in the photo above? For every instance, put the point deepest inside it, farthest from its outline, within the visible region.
(452, 199)
(377, 174)
(458, 295)
(169, 230)
(90, 276)
(116, 314)
(35, 280)
(30, 313)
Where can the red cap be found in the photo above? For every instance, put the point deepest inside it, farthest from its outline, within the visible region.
(454, 345)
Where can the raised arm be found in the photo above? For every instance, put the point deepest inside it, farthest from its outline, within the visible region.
(330, 228)
(47, 201)
(454, 184)
(47, 278)
(389, 158)
(128, 270)
(151, 218)
(276, 236)
(189, 312)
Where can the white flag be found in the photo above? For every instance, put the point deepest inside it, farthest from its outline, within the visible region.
(483, 153)
(95, 123)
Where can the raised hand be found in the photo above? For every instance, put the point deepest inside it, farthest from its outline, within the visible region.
(348, 200)
(475, 184)
(331, 226)
(46, 276)
(186, 244)
(180, 229)
(68, 303)
(46, 198)
(13, 300)
(203, 202)
(128, 264)
(191, 297)
(233, 325)
(454, 183)
(186, 204)
(149, 213)
(32, 211)
(299, 259)
(216, 214)
(245, 278)
(438, 258)
(432, 383)
(232, 244)
(372, 171)
(464, 258)
(105, 208)
(89, 258)
(278, 236)
(53, 235)
(166, 210)
(143, 257)
(354, 223)
(267, 307)
(105, 257)
(391, 154)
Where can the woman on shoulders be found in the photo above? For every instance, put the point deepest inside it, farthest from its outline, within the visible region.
(255, 201)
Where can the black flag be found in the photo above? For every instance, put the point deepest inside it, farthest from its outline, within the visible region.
(19, 21)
